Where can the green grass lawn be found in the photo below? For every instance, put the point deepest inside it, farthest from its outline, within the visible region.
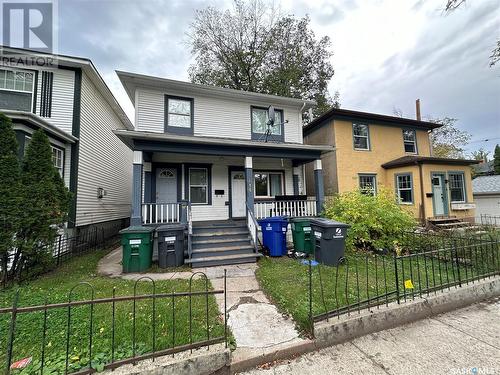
(54, 287)
(286, 281)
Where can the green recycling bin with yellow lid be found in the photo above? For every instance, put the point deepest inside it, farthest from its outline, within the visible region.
(301, 233)
(137, 245)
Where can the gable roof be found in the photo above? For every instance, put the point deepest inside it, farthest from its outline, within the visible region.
(89, 68)
(373, 118)
(415, 159)
(132, 80)
(485, 185)
(484, 167)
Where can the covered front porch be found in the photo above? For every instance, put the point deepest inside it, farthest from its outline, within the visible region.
(229, 184)
(181, 178)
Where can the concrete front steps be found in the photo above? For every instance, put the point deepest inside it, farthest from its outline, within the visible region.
(218, 243)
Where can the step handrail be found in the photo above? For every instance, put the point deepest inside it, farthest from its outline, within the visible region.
(253, 227)
(190, 229)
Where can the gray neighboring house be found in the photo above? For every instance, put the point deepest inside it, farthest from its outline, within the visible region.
(486, 191)
(76, 109)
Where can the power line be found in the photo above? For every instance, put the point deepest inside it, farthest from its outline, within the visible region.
(485, 140)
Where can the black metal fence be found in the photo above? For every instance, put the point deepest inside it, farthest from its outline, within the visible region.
(490, 220)
(64, 248)
(135, 327)
(424, 264)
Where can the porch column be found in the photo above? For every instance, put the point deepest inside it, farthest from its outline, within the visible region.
(136, 218)
(249, 181)
(319, 185)
(296, 174)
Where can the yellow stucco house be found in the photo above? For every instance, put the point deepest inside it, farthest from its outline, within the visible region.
(372, 150)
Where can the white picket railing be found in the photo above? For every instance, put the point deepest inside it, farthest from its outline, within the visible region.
(252, 226)
(160, 213)
(297, 208)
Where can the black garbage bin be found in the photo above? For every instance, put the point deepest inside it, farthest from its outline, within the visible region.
(171, 245)
(329, 240)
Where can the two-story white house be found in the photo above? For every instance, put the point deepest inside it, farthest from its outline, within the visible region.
(70, 101)
(201, 155)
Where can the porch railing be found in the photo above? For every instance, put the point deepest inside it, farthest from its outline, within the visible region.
(253, 227)
(297, 208)
(161, 213)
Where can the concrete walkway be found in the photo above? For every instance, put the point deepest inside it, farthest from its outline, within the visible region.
(256, 324)
(465, 341)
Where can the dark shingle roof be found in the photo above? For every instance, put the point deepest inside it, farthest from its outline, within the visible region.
(486, 185)
(374, 118)
(415, 159)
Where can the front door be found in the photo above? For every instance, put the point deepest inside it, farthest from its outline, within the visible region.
(238, 194)
(166, 185)
(439, 200)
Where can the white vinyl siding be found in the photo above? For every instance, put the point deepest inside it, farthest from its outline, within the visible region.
(213, 116)
(104, 161)
(219, 181)
(63, 87)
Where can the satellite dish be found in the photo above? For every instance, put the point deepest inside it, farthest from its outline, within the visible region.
(270, 115)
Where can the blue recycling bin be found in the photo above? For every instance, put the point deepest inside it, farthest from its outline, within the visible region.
(274, 234)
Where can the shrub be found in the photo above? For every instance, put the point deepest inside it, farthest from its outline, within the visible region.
(376, 221)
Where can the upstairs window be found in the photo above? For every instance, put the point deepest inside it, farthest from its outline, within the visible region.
(361, 136)
(179, 115)
(457, 187)
(260, 118)
(268, 184)
(404, 188)
(410, 141)
(368, 184)
(16, 89)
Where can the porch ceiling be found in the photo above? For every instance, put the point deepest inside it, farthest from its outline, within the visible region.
(161, 142)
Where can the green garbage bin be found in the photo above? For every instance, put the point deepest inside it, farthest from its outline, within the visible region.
(137, 245)
(301, 234)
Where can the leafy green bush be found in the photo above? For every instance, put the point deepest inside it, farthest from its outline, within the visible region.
(376, 221)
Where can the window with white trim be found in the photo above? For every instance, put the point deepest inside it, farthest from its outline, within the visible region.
(268, 184)
(58, 159)
(198, 185)
(410, 141)
(16, 89)
(457, 187)
(404, 188)
(368, 184)
(361, 136)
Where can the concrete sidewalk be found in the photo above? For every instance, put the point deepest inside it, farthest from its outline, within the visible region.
(465, 341)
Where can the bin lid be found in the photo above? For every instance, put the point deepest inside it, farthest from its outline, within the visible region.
(301, 220)
(137, 229)
(273, 219)
(327, 223)
(171, 227)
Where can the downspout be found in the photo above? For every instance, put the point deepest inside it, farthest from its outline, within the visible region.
(422, 195)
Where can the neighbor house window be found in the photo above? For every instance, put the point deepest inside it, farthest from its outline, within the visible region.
(16, 89)
(179, 115)
(58, 159)
(457, 187)
(368, 184)
(198, 185)
(361, 136)
(57, 155)
(260, 119)
(410, 141)
(268, 184)
(404, 188)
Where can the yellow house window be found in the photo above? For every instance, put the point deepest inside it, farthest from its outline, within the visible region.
(361, 136)
(410, 141)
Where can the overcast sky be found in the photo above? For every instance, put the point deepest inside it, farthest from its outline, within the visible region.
(387, 53)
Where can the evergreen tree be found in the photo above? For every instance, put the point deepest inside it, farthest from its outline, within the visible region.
(496, 158)
(9, 190)
(45, 206)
